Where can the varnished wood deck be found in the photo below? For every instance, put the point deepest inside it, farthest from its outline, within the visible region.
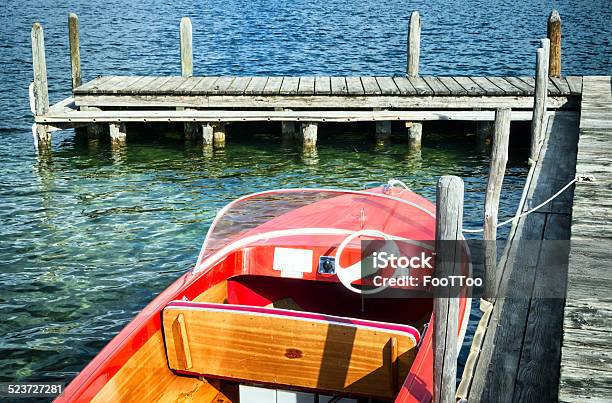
(586, 365)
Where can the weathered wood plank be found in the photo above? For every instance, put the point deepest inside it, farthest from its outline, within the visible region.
(139, 84)
(562, 85)
(575, 84)
(238, 86)
(290, 85)
(107, 86)
(306, 86)
(93, 84)
(221, 85)
(455, 87)
(273, 85)
(487, 86)
(256, 86)
(188, 85)
(203, 85)
(468, 85)
(319, 101)
(543, 333)
(436, 85)
(354, 86)
(370, 86)
(420, 86)
(404, 86)
(387, 86)
(170, 85)
(322, 85)
(552, 88)
(520, 84)
(508, 88)
(338, 86)
(59, 113)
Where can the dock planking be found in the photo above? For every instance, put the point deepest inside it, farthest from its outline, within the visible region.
(323, 85)
(586, 362)
(522, 346)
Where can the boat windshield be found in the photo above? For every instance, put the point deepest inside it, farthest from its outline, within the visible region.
(276, 213)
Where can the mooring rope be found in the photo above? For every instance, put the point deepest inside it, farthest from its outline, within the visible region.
(563, 189)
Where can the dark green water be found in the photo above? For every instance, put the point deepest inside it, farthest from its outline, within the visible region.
(88, 235)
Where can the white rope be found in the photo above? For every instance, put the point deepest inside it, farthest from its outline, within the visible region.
(392, 182)
(530, 211)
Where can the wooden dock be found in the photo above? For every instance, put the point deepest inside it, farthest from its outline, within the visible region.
(205, 105)
(586, 363)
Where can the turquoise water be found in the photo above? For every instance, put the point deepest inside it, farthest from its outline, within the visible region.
(89, 235)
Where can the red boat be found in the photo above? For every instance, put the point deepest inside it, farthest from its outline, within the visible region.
(277, 309)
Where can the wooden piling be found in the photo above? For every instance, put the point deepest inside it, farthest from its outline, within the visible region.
(497, 168)
(449, 217)
(75, 53)
(415, 134)
(219, 135)
(540, 99)
(207, 135)
(117, 132)
(309, 135)
(186, 48)
(40, 90)
(414, 44)
(383, 132)
(554, 35)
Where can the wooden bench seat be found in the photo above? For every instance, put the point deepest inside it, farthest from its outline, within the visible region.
(288, 348)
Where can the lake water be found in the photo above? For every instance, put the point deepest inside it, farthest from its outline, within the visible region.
(88, 236)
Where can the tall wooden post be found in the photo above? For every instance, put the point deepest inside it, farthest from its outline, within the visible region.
(497, 168)
(414, 44)
(449, 217)
(190, 129)
(540, 99)
(186, 49)
(554, 35)
(40, 90)
(75, 53)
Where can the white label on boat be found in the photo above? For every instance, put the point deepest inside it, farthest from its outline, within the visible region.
(292, 262)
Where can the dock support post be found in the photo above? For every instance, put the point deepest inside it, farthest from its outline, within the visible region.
(219, 134)
(75, 53)
(40, 90)
(287, 127)
(117, 133)
(554, 35)
(309, 135)
(449, 217)
(186, 48)
(207, 134)
(383, 132)
(540, 99)
(415, 129)
(415, 134)
(185, 33)
(497, 168)
(414, 44)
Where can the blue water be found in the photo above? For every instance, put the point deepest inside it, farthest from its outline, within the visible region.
(89, 235)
